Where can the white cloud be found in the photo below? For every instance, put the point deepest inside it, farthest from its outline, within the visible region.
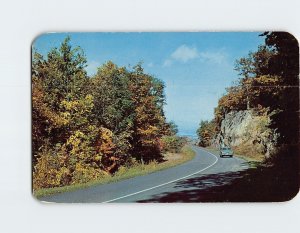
(215, 57)
(184, 53)
(167, 62)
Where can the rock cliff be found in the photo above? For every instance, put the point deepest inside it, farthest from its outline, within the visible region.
(247, 133)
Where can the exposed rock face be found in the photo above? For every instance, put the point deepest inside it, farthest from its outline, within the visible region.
(248, 133)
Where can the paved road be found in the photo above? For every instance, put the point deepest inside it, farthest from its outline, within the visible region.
(190, 182)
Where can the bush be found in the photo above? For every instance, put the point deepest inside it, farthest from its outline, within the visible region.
(84, 173)
(172, 144)
(49, 171)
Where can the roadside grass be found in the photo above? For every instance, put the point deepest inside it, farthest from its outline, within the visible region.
(248, 153)
(123, 173)
(252, 161)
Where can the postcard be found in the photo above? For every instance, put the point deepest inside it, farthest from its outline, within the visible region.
(165, 117)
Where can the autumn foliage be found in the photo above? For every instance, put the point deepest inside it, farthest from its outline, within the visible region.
(84, 128)
(268, 84)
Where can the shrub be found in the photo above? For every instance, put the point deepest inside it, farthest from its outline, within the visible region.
(172, 143)
(84, 173)
(50, 171)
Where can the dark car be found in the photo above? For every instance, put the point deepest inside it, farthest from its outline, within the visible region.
(226, 151)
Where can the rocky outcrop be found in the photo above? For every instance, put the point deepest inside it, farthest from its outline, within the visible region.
(247, 132)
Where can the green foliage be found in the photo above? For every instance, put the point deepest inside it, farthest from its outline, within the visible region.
(57, 84)
(125, 171)
(114, 107)
(112, 98)
(172, 144)
(269, 86)
(84, 127)
(256, 63)
(149, 120)
(256, 88)
(48, 171)
(171, 128)
(206, 132)
(269, 80)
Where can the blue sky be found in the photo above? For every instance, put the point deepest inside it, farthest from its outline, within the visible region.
(195, 66)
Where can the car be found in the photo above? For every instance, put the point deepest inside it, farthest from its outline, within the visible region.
(226, 151)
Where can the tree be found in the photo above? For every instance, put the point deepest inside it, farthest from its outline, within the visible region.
(57, 82)
(269, 80)
(285, 65)
(113, 106)
(86, 127)
(256, 63)
(206, 132)
(171, 128)
(148, 100)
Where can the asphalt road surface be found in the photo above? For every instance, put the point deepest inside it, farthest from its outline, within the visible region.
(194, 181)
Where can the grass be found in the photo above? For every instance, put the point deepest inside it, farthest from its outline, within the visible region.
(249, 158)
(249, 153)
(126, 172)
(252, 161)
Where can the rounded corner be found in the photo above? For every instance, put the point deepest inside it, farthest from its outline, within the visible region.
(293, 37)
(36, 37)
(36, 199)
(292, 195)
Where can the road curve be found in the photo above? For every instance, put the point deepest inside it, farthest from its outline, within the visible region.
(206, 170)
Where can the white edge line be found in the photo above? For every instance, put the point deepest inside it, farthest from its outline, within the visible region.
(157, 186)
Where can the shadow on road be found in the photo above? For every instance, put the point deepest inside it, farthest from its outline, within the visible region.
(261, 184)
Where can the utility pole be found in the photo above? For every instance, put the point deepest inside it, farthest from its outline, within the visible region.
(248, 102)
(245, 82)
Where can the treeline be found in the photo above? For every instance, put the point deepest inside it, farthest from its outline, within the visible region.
(206, 132)
(85, 126)
(268, 84)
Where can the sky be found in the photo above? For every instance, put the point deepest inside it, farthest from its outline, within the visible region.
(196, 67)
